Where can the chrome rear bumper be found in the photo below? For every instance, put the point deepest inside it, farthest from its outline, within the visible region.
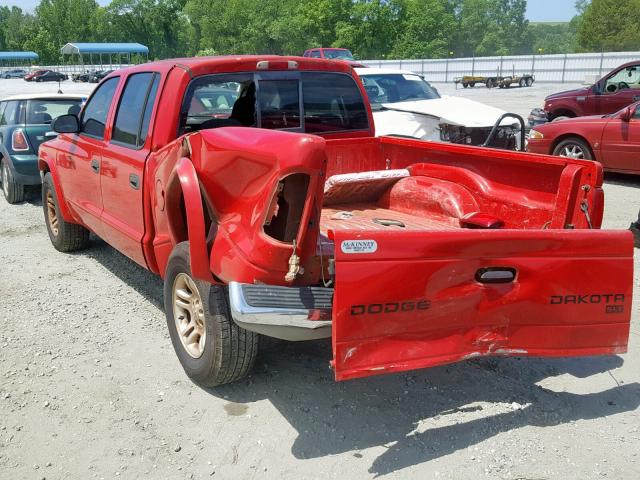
(282, 312)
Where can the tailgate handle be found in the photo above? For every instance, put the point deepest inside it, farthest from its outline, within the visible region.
(492, 275)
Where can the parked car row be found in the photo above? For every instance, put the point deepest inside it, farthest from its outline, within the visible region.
(90, 76)
(600, 122)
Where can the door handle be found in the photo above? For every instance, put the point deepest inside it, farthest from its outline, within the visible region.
(492, 275)
(134, 181)
(95, 166)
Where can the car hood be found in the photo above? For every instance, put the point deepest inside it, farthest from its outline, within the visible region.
(557, 125)
(454, 110)
(568, 93)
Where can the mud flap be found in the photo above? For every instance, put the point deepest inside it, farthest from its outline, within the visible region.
(407, 300)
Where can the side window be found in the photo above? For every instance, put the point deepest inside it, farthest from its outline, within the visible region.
(9, 114)
(144, 129)
(94, 116)
(637, 112)
(628, 77)
(2, 106)
(134, 110)
(316, 54)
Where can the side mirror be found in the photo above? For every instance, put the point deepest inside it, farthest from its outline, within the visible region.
(626, 114)
(66, 124)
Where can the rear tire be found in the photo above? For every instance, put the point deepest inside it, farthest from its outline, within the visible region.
(573, 147)
(472, 84)
(529, 82)
(12, 190)
(211, 347)
(465, 85)
(523, 83)
(65, 236)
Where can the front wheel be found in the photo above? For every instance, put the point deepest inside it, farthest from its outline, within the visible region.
(211, 347)
(573, 147)
(13, 191)
(65, 236)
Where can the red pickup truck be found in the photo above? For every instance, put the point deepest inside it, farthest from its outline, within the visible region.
(256, 188)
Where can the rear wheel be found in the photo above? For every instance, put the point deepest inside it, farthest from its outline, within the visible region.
(472, 84)
(13, 191)
(211, 347)
(523, 82)
(529, 81)
(573, 147)
(65, 236)
(465, 84)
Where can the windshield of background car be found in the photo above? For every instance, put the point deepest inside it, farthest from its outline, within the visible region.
(44, 111)
(393, 88)
(338, 55)
(297, 101)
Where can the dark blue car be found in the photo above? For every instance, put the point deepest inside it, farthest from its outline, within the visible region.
(25, 123)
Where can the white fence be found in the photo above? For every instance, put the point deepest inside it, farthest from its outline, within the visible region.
(563, 68)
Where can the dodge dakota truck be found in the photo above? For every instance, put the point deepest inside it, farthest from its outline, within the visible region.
(256, 188)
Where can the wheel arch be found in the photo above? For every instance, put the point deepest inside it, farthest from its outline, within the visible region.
(563, 112)
(189, 216)
(47, 166)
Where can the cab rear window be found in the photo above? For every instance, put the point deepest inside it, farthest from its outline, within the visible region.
(312, 102)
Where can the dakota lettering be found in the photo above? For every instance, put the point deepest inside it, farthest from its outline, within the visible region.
(593, 299)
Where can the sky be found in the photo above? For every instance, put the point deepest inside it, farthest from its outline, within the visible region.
(537, 10)
(550, 10)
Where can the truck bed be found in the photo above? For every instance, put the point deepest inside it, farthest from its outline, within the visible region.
(368, 216)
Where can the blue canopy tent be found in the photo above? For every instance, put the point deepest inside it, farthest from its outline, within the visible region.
(17, 59)
(102, 51)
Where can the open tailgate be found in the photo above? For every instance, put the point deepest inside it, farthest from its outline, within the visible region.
(407, 299)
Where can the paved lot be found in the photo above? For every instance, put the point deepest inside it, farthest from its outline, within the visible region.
(90, 386)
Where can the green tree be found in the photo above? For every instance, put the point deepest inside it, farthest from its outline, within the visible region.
(371, 28)
(59, 22)
(610, 25)
(426, 30)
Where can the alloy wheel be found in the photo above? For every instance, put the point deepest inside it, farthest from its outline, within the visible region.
(572, 151)
(188, 312)
(52, 215)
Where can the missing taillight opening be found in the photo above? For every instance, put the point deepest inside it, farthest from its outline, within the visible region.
(285, 210)
(19, 141)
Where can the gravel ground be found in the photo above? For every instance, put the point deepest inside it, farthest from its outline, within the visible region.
(90, 386)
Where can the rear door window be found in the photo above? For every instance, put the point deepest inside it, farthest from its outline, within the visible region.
(94, 116)
(133, 113)
(9, 114)
(44, 111)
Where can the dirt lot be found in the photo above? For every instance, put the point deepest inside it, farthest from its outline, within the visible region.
(90, 386)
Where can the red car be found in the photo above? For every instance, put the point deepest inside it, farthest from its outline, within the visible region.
(33, 74)
(289, 218)
(614, 91)
(333, 54)
(613, 140)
